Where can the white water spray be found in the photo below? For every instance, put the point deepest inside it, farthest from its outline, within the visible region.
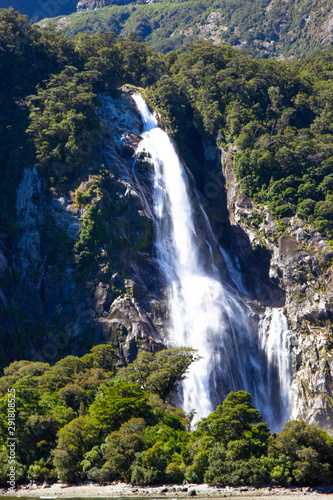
(273, 339)
(204, 313)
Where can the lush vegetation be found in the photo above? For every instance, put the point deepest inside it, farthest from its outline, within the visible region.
(268, 29)
(84, 418)
(48, 99)
(278, 115)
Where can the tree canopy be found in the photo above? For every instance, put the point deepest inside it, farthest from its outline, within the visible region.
(84, 418)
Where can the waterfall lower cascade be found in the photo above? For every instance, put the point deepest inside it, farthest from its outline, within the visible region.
(205, 313)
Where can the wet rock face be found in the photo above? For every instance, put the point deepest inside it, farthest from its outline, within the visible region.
(64, 301)
(297, 263)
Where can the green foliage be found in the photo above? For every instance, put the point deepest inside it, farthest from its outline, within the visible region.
(162, 460)
(169, 24)
(255, 471)
(48, 117)
(62, 373)
(5, 469)
(86, 248)
(75, 439)
(39, 472)
(309, 450)
(63, 122)
(236, 415)
(83, 418)
(160, 372)
(275, 114)
(197, 455)
(101, 356)
(254, 442)
(72, 396)
(71, 425)
(27, 57)
(121, 448)
(116, 404)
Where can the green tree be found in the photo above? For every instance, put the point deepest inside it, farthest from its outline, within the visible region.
(101, 356)
(229, 421)
(116, 404)
(72, 396)
(160, 372)
(62, 373)
(310, 451)
(63, 122)
(121, 448)
(75, 439)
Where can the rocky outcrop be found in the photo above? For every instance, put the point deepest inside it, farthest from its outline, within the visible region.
(297, 274)
(129, 328)
(84, 5)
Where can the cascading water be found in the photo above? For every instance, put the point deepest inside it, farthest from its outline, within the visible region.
(205, 313)
(273, 338)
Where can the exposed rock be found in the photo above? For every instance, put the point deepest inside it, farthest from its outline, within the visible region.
(29, 217)
(127, 322)
(3, 264)
(65, 310)
(86, 5)
(103, 298)
(298, 262)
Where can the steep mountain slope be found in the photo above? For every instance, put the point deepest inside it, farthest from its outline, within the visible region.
(275, 29)
(80, 305)
(63, 214)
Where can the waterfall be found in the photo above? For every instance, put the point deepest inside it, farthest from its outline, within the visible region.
(206, 313)
(273, 339)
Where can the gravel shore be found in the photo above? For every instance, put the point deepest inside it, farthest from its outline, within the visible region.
(121, 490)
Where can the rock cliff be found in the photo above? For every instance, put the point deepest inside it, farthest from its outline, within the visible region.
(298, 261)
(81, 270)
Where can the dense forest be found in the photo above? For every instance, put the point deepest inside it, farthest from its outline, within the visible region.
(84, 418)
(87, 417)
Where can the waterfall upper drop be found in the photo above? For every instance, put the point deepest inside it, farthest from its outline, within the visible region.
(205, 313)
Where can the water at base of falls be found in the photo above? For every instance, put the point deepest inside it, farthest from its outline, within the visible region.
(205, 313)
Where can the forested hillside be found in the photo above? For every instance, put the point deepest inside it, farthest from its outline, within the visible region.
(277, 115)
(266, 29)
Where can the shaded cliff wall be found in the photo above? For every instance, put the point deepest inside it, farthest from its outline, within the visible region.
(80, 270)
